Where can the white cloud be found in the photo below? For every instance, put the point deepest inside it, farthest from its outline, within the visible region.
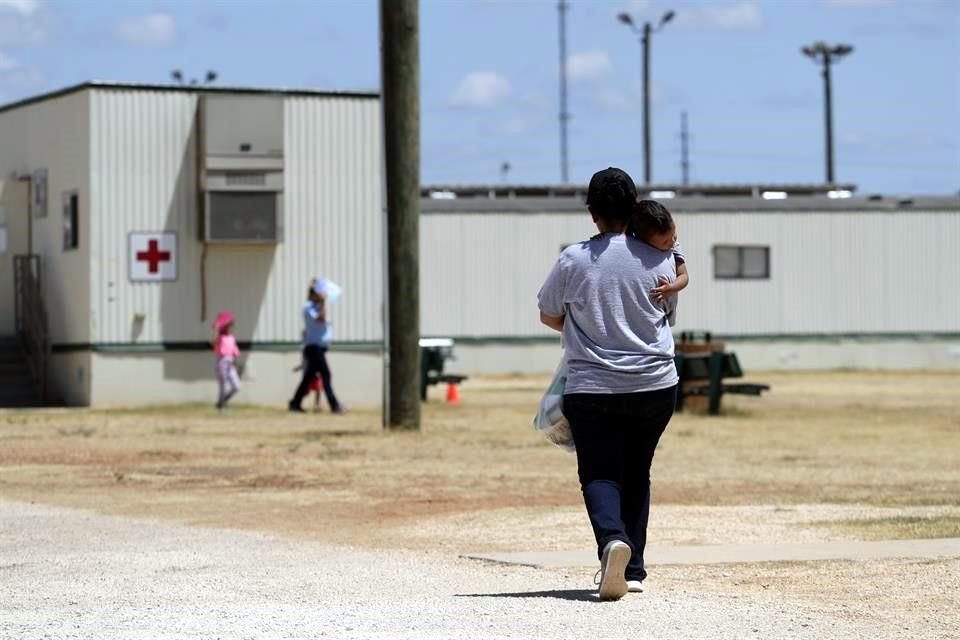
(614, 100)
(7, 63)
(25, 8)
(151, 30)
(520, 124)
(480, 89)
(890, 143)
(17, 80)
(740, 16)
(787, 100)
(630, 100)
(860, 4)
(639, 6)
(21, 77)
(588, 65)
(24, 23)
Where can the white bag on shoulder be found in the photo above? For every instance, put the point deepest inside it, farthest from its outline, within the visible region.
(550, 421)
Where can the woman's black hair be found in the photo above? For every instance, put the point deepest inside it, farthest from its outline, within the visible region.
(612, 194)
(649, 217)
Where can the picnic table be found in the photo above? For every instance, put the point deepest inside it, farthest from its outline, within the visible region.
(434, 353)
(704, 367)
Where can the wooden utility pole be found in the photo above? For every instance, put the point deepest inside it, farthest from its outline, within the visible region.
(400, 72)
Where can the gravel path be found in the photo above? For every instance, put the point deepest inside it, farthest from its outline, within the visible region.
(74, 574)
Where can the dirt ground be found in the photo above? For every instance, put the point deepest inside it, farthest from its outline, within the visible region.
(822, 456)
(866, 447)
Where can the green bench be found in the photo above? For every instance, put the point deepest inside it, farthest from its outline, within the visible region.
(434, 353)
(703, 374)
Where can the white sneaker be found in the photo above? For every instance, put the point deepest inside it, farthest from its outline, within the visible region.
(613, 563)
(634, 586)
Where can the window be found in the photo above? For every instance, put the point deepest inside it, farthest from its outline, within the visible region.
(741, 262)
(71, 220)
(38, 197)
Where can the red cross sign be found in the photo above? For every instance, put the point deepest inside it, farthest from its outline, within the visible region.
(153, 256)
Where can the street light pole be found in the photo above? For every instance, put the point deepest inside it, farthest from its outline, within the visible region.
(828, 120)
(645, 34)
(825, 55)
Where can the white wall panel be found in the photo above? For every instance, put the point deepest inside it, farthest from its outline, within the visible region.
(831, 272)
(145, 179)
(54, 135)
(143, 173)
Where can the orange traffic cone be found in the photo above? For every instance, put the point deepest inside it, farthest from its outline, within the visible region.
(453, 393)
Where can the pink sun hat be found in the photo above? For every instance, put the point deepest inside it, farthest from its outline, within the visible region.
(223, 319)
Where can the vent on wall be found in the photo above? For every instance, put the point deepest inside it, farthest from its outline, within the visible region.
(246, 179)
(241, 167)
(249, 216)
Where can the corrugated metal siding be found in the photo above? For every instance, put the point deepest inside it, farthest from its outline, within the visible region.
(52, 135)
(480, 274)
(334, 211)
(144, 179)
(830, 273)
(861, 272)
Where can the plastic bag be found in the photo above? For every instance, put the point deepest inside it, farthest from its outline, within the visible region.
(550, 421)
(329, 288)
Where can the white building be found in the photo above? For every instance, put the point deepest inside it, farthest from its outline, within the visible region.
(152, 208)
(807, 282)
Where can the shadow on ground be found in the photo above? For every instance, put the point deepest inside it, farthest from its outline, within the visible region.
(583, 595)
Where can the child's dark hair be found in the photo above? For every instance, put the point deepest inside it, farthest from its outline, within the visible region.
(648, 218)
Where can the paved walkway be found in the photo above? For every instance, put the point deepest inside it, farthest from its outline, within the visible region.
(744, 553)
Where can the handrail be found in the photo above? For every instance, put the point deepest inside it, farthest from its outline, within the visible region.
(31, 318)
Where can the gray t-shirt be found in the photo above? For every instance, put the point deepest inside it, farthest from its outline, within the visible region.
(616, 338)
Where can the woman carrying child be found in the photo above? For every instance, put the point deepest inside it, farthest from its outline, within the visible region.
(621, 381)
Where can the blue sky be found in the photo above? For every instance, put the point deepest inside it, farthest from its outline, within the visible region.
(489, 78)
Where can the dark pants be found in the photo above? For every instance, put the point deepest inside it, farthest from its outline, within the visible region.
(315, 361)
(616, 436)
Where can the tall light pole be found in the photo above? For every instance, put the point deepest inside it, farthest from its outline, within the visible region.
(177, 76)
(824, 54)
(645, 33)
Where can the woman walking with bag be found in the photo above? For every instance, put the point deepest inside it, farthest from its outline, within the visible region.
(316, 342)
(621, 384)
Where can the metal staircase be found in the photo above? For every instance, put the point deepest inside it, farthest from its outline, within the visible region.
(17, 388)
(24, 357)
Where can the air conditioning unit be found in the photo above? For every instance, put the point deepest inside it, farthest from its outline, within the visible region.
(241, 169)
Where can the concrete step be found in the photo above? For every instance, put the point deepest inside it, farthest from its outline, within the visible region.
(20, 400)
(22, 403)
(13, 369)
(20, 384)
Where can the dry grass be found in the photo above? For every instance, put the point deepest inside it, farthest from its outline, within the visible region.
(871, 438)
(898, 527)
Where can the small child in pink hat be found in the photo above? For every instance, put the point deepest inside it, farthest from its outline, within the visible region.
(226, 350)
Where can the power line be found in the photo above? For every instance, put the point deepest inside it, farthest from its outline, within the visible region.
(562, 8)
(684, 149)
